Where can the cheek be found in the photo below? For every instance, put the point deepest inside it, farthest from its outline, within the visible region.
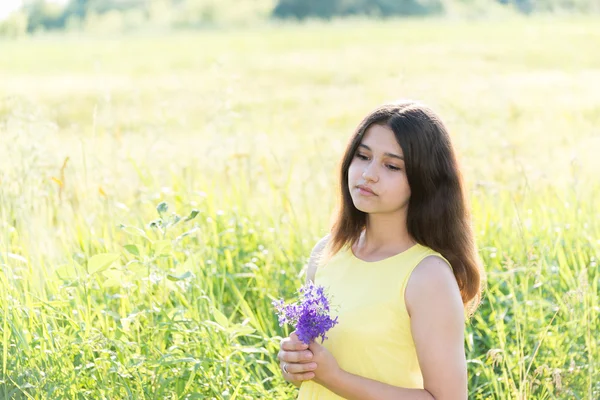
(405, 187)
(353, 172)
(399, 186)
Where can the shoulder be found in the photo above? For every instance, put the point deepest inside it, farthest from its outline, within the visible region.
(432, 285)
(315, 255)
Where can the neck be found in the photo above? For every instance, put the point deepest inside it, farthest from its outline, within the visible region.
(386, 232)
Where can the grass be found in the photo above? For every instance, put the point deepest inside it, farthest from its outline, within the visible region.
(105, 294)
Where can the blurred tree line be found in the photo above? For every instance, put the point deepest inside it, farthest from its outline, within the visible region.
(127, 15)
(389, 8)
(123, 15)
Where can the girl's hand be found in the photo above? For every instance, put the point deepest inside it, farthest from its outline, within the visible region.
(328, 370)
(297, 360)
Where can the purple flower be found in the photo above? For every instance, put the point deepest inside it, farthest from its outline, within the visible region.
(310, 315)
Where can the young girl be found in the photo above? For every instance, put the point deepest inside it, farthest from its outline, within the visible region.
(401, 265)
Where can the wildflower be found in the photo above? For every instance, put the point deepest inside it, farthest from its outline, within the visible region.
(310, 316)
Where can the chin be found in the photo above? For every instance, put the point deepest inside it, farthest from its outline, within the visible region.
(366, 208)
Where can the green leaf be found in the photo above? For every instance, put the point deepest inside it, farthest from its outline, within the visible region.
(186, 275)
(254, 350)
(186, 234)
(174, 220)
(133, 249)
(179, 360)
(162, 208)
(132, 230)
(241, 330)
(182, 267)
(16, 257)
(100, 262)
(220, 318)
(113, 277)
(162, 247)
(67, 272)
(138, 269)
(157, 223)
(192, 215)
(247, 311)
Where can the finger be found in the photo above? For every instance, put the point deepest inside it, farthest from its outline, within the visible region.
(295, 356)
(291, 344)
(314, 346)
(294, 337)
(300, 377)
(297, 369)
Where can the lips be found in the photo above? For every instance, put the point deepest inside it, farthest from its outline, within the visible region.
(365, 189)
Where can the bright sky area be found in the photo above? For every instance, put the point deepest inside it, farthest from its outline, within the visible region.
(8, 6)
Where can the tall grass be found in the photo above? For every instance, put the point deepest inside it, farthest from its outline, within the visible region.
(157, 193)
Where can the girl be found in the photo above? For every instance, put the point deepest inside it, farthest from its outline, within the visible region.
(400, 263)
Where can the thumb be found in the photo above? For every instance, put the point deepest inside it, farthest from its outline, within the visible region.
(314, 346)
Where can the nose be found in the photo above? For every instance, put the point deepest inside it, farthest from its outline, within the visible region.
(370, 173)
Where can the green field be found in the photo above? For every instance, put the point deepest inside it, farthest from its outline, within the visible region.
(102, 297)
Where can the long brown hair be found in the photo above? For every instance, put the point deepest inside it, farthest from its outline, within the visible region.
(438, 215)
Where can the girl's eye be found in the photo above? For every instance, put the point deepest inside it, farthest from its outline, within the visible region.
(361, 156)
(393, 167)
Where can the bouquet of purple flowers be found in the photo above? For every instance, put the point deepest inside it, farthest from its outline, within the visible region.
(310, 315)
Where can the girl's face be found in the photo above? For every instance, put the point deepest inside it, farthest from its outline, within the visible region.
(376, 176)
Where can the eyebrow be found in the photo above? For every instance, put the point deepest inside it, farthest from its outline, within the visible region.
(385, 154)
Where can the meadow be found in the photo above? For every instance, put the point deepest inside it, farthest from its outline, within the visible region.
(157, 192)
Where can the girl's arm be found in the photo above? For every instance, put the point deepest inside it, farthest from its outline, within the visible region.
(355, 387)
(437, 323)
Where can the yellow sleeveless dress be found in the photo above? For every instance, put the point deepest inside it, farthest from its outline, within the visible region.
(373, 337)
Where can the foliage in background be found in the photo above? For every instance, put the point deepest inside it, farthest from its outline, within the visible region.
(377, 8)
(117, 16)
